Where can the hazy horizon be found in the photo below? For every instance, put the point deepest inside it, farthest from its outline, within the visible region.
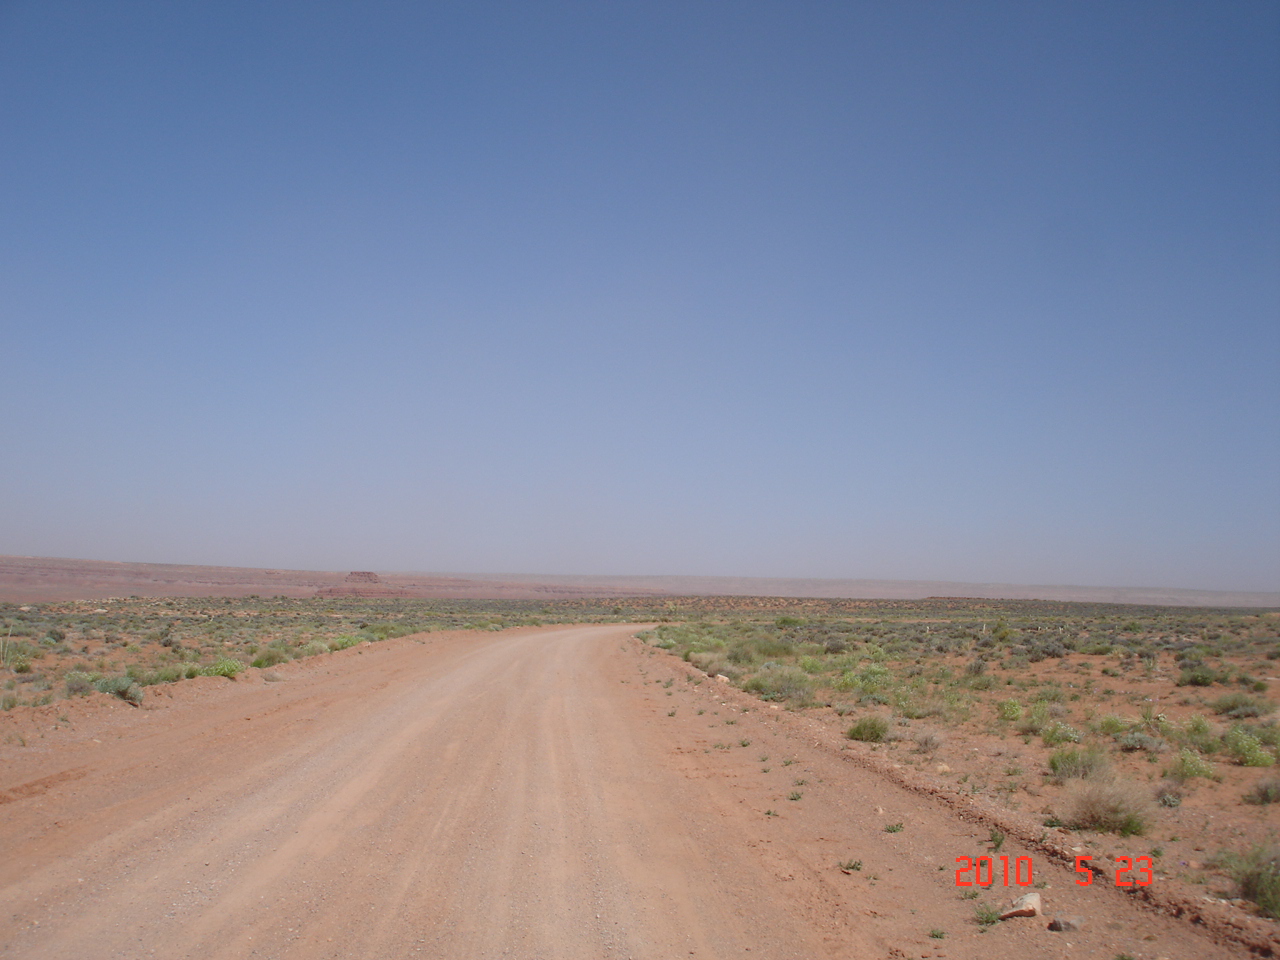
(986, 293)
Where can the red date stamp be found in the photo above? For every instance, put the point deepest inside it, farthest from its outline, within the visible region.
(1140, 867)
(986, 871)
(1020, 872)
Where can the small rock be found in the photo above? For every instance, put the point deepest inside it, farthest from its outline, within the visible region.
(1066, 924)
(1027, 905)
(722, 678)
(942, 768)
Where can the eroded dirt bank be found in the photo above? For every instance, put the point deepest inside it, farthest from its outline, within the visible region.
(533, 793)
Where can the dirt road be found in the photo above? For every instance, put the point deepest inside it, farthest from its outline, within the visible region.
(538, 793)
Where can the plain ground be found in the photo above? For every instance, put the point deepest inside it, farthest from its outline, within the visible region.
(540, 792)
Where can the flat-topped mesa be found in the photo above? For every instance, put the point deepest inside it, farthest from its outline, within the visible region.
(362, 576)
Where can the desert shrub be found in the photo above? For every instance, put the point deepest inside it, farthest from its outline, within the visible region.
(1198, 734)
(314, 648)
(1035, 720)
(270, 657)
(1169, 794)
(1107, 806)
(1072, 764)
(812, 665)
(1059, 732)
(1246, 749)
(1010, 710)
(1112, 725)
(1198, 676)
(351, 639)
(1264, 792)
(781, 682)
(1188, 766)
(1133, 740)
(123, 687)
(20, 663)
(709, 662)
(78, 682)
(917, 709)
(870, 729)
(224, 667)
(1238, 706)
(1258, 874)
(927, 741)
(975, 667)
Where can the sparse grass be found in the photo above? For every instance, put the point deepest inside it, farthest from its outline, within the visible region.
(893, 827)
(986, 915)
(937, 934)
(850, 866)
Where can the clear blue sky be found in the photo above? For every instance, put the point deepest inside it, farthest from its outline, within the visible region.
(979, 291)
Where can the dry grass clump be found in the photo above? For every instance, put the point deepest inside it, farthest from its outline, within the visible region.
(870, 729)
(1107, 806)
(1264, 792)
(1073, 764)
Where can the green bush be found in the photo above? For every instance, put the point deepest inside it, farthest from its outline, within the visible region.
(1188, 766)
(270, 657)
(1239, 706)
(870, 729)
(1059, 732)
(1034, 720)
(1010, 710)
(123, 687)
(78, 682)
(1246, 749)
(1112, 725)
(314, 648)
(224, 667)
(1199, 676)
(778, 682)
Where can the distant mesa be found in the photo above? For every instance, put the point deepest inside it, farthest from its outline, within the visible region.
(362, 583)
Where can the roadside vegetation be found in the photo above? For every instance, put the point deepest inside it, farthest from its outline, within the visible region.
(1155, 726)
(1152, 726)
(55, 651)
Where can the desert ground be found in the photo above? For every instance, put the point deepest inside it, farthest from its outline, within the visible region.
(564, 790)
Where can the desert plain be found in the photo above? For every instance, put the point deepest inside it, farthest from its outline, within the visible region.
(365, 774)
